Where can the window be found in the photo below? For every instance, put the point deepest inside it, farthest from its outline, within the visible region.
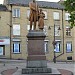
(69, 47)
(68, 31)
(1, 50)
(28, 27)
(67, 16)
(57, 32)
(56, 15)
(45, 30)
(16, 29)
(16, 12)
(57, 47)
(46, 46)
(16, 47)
(45, 12)
(28, 13)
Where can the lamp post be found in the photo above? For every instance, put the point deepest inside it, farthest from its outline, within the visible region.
(54, 45)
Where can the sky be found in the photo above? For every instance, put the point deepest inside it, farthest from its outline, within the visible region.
(1, 1)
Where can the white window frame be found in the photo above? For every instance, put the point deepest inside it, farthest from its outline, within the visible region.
(57, 46)
(16, 44)
(45, 30)
(16, 29)
(57, 32)
(56, 15)
(16, 12)
(46, 46)
(68, 31)
(1, 50)
(28, 13)
(67, 16)
(68, 46)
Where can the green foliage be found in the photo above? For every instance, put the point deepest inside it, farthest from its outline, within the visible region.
(70, 7)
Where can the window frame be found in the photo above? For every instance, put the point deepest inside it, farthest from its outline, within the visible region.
(19, 49)
(70, 43)
(18, 30)
(54, 15)
(16, 13)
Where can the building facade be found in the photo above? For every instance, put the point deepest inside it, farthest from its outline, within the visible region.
(14, 26)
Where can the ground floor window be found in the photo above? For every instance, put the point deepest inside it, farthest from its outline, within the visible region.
(2, 50)
(46, 46)
(16, 47)
(57, 47)
(69, 47)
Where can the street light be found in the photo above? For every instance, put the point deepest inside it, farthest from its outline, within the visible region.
(54, 45)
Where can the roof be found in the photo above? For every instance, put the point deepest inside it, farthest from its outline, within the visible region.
(3, 8)
(40, 3)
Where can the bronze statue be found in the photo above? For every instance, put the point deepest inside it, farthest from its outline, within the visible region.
(41, 20)
(33, 13)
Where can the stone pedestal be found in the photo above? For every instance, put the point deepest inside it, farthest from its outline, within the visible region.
(36, 60)
(36, 54)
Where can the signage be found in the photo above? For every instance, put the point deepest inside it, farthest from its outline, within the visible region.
(4, 41)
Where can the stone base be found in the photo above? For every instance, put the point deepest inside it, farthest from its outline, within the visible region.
(37, 64)
(36, 70)
(54, 72)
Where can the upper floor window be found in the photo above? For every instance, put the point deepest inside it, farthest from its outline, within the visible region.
(16, 29)
(16, 47)
(28, 13)
(56, 15)
(57, 31)
(67, 16)
(16, 12)
(69, 47)
(68, 31)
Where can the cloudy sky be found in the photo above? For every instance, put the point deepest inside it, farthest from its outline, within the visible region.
(1, 1)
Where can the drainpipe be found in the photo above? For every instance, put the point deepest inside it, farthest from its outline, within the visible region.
(11, 31)
(63, 36)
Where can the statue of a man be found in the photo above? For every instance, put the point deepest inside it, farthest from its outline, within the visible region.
(33, 14)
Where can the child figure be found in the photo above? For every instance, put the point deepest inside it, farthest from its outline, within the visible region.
(41, 19)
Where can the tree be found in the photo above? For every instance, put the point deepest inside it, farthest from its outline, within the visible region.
(70, 7)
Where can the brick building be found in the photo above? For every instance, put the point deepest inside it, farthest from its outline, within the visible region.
(14, 26)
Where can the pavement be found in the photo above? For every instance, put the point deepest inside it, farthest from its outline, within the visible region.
(9, 67)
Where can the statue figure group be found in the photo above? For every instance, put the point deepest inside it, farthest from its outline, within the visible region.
(36, 14)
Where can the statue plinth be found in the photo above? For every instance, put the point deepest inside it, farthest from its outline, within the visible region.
(36, 54)
(36, 60)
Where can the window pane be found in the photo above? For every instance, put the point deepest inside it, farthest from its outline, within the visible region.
(56, 15)
(28, 13)
(14, 12)
(67, 16)
(57, 32)
(16, 29)
(18, 13)
(1, 50)
(16, 48)
(68, 31)
(57, 47)
(69, 47)
(46, 46)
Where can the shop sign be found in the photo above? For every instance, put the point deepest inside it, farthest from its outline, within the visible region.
(4, 41)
